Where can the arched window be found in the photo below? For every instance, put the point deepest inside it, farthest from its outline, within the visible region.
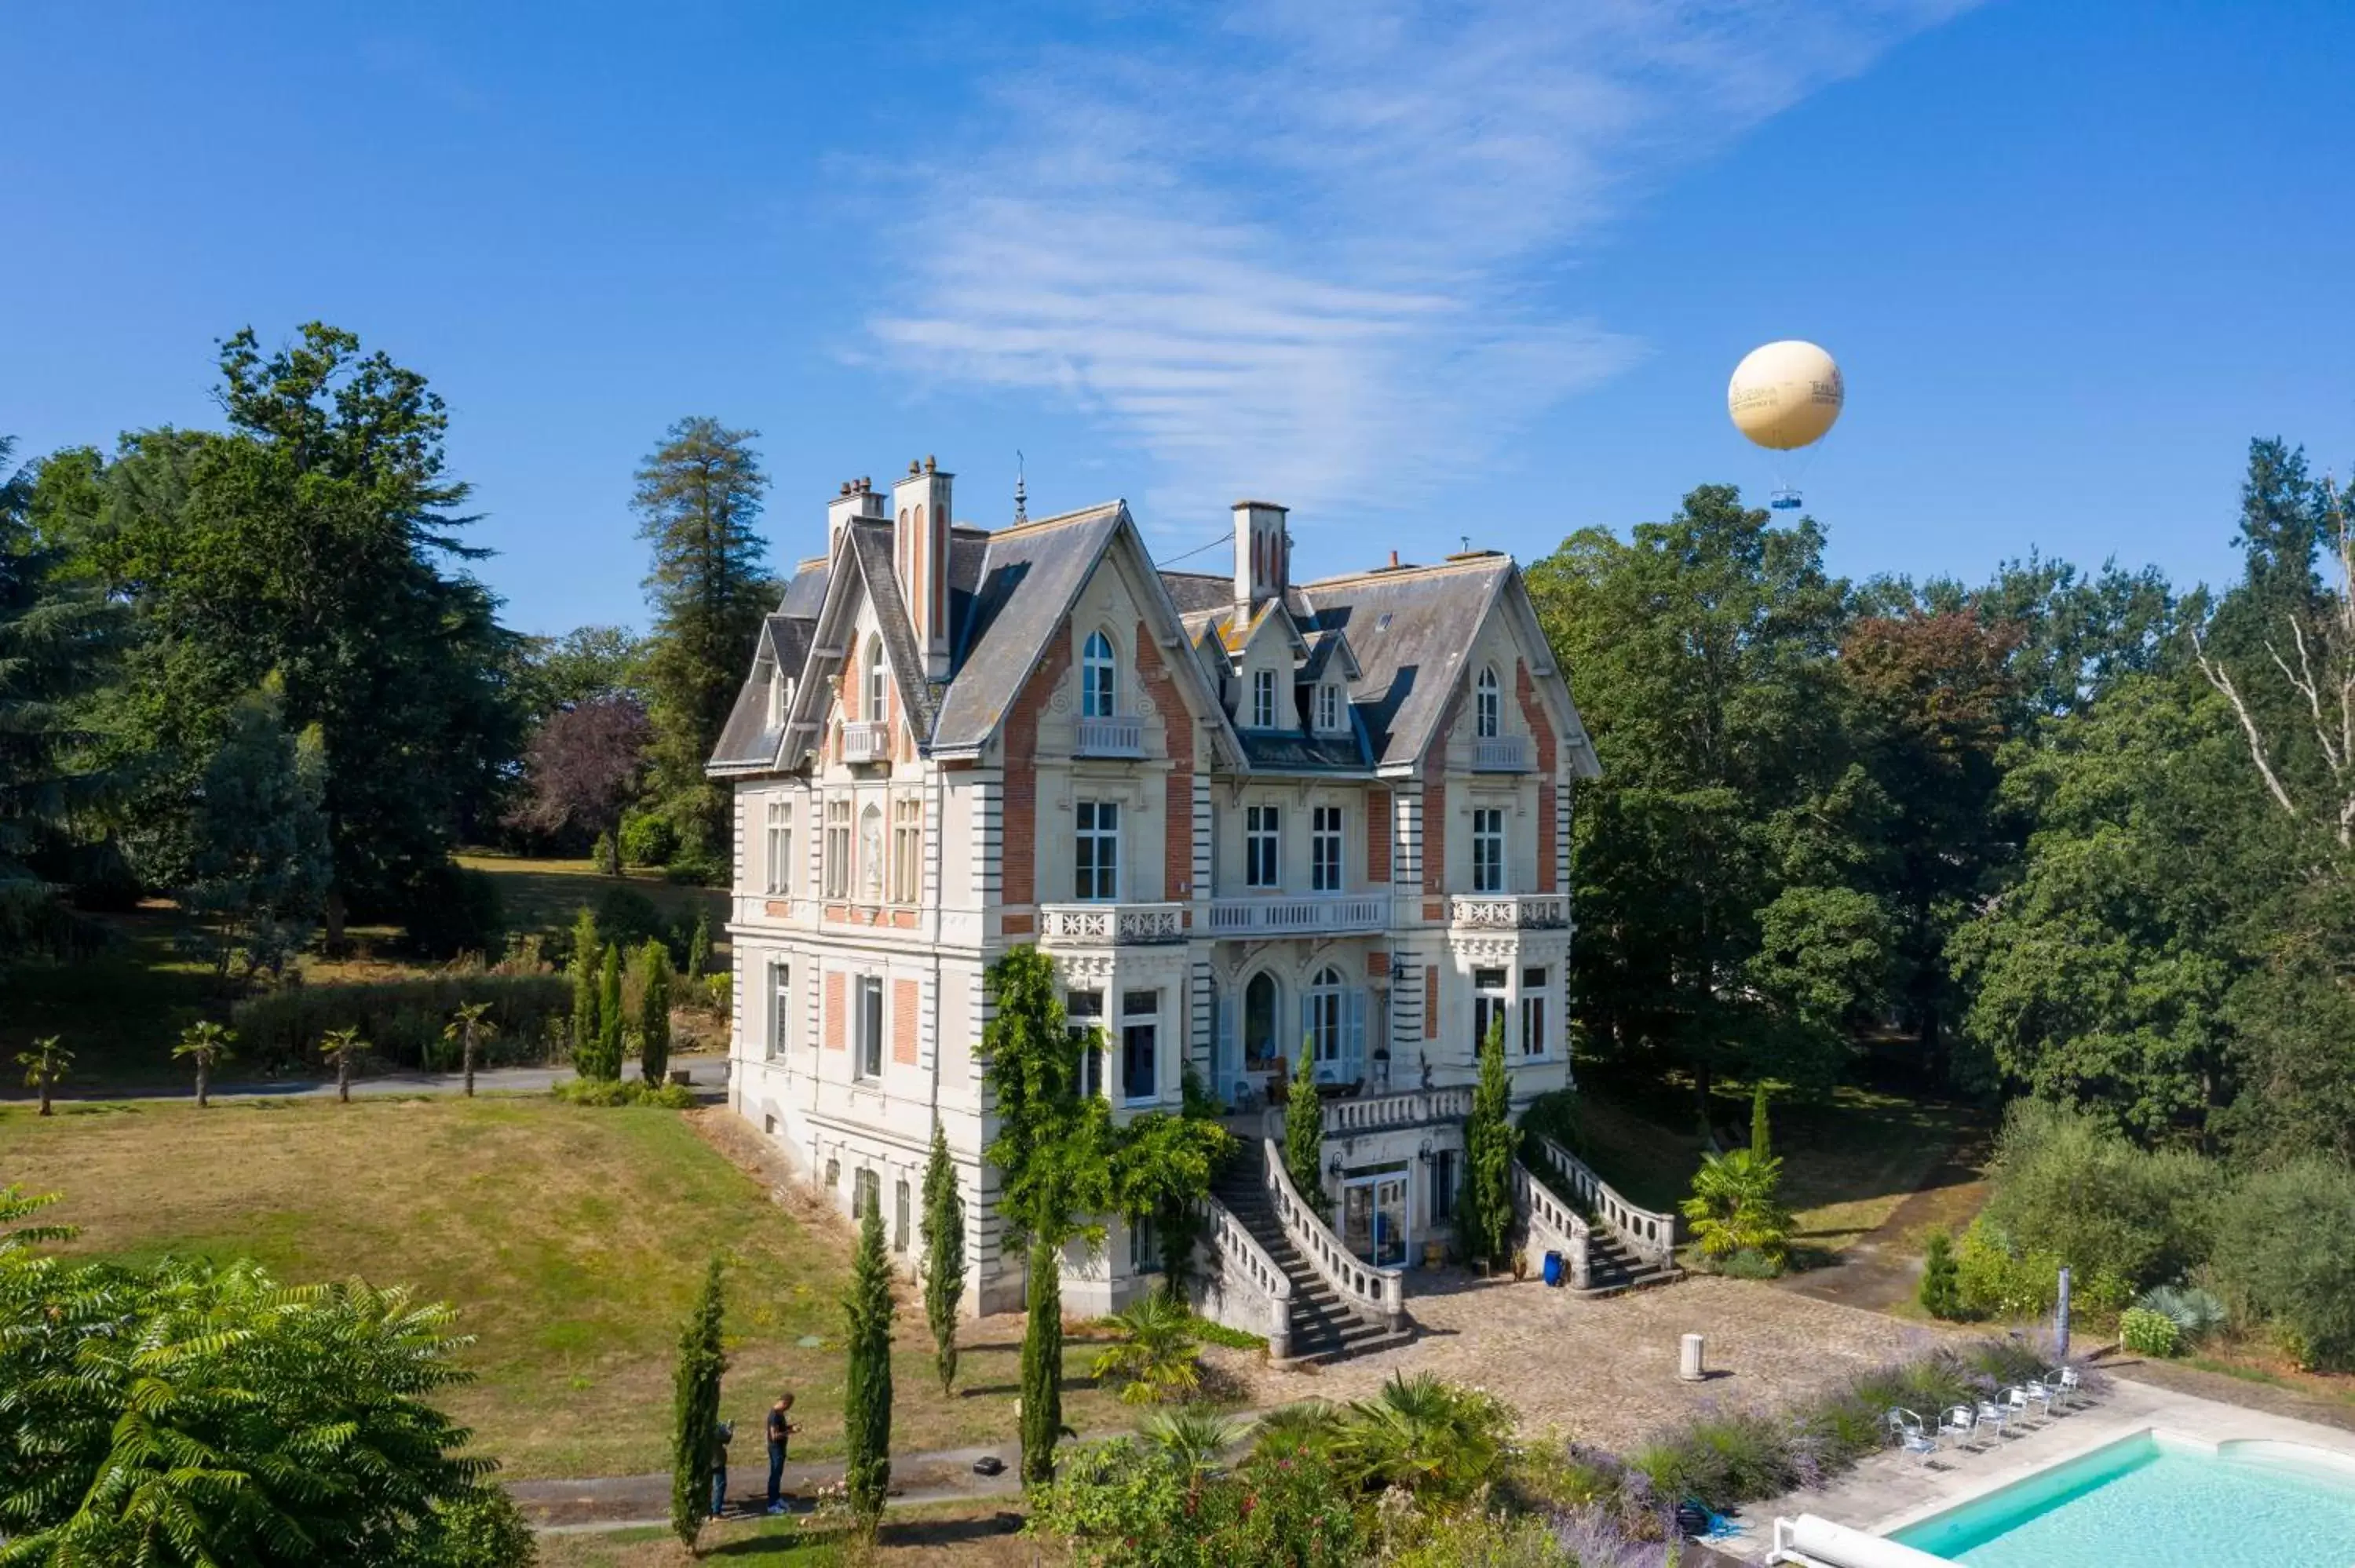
(878, 674)
(1099, 677)
(1487, 708)
(1260, 1046)
(1325, 1021)
(871, 854)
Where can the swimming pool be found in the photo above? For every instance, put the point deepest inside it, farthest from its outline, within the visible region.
(2154, 1500)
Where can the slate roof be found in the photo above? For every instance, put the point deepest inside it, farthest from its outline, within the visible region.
(903, 651)
(1024, 586)
(1408, 662)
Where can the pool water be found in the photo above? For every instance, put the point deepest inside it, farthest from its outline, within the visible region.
(2148, 1502)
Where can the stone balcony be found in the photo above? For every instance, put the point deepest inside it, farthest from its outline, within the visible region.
(1322, 913)
(1402, 1108)
(867, 741)
(1501, 754)
(1110, 924)
(1121, 734)
(1509, 911)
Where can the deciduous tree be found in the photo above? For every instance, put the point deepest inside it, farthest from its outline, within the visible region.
(582, 767)
(263, 864)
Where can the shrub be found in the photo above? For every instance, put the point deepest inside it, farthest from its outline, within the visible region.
(2285, 1257)
(1996, 1281)
(402, 1019)
(453, 910)
(629, 918)
(647, 839)
(1942, 1293)
(1736, 1206)
(698, 867)
(606, 857)
(1155, 1356)
(1749, 1263)
(2195, 1313)
(1736, 1456)
(2148, 1333)
(2065, 1185)
(484, 1530)
(608, 1093)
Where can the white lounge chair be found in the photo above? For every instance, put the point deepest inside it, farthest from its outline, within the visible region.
(1959, 1425)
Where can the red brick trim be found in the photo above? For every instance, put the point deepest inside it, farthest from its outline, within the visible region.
(903, 1022)
(1178, 787)
(1018, 871)
(835, 1011)
(1378, 829)
(1434, 791)
(1430, 1003)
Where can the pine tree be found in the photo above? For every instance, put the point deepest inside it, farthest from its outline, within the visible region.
(1486, 1209)
(942, 1231)
(867, 1393)
(1042, 1365)
(695, 1408)
(1304, 1134)
(609, 1016)
(1760, 1143)
(653, 1011)
(1942, 1289)
(699, 503)
(586, 950)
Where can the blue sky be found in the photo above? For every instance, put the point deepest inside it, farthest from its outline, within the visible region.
(1418, 272)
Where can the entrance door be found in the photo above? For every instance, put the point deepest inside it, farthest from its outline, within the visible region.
(1374, 1217)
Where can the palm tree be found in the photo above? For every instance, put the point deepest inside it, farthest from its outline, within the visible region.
(45, 1067)
(1733, 1205)
(208, 1045)
(1423, 1435)
(342, 1047)
(1154, 1354)
(1194, 1439)
(470, 1029)
(1291, 1430)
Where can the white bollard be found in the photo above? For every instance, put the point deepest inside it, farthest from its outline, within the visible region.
(1689, 1362)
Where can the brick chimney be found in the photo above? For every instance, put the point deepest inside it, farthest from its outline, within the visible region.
(858, 498)
(920, 507)
(1262, 556)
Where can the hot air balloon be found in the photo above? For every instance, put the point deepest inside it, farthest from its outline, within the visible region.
(1786, 396)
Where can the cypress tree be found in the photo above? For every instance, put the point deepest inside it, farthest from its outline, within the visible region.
(867, 1393)
(1304, 1134)
(609, 1015)
(1760, 1143)
(695, 1409)
(1042, 1366)
(653, 1011)
(699, 947)
(1485, 1211)
(586, 950)
(943, 1235)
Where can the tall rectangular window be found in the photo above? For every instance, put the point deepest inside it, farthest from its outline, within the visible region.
(781, 1008)
(1144, 1246)
(1096, 857)
(1140, 1029)
(836, 849)
(1328, 708)
(1262, 845)
(1084, 1015)
(900, 1216)
(1487, 1005)
(866, 1192)
(1443, 1185)
(869, 1018)
(1487, 849)
(1324, 850)
(907, 849)
(1533, 1013)
(781, 846)
(1263, 699)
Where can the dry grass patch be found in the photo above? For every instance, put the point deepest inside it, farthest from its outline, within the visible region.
(572, 1240)
(969, 1535)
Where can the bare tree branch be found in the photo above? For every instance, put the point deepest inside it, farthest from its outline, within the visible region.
(2223, 681)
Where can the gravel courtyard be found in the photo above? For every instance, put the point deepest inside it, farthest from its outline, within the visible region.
(1603, 1372)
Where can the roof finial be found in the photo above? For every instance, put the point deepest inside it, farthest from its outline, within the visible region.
(1021, 500)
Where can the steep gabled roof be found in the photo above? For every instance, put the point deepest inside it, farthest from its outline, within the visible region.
(1410, 631)
(1025, 582)
(862, 560)
(749, 740)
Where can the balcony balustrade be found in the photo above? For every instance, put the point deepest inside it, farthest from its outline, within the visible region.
(1110, 924)
(1278, 917)
(869, 740)
(1509, 912)
(1120, 736)
(1411, 1107)
(1501, 754)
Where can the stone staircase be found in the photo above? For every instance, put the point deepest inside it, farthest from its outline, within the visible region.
(1612, 1267)
(1324, 1328)
(1621, 1246)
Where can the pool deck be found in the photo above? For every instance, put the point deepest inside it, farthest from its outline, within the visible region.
(1892, 1490)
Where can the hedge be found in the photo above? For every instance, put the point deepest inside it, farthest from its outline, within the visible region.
(401, 1020)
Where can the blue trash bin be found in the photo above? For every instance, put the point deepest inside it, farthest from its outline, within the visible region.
(1553, 1268)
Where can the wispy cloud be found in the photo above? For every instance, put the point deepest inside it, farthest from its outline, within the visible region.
(1299, 248)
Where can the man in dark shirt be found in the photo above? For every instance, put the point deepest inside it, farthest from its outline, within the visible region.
(720, 1438)
(781, 1430)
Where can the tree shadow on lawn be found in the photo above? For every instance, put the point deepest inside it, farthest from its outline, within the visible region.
(944, 1535)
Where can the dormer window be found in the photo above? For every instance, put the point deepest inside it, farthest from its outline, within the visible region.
(878, 676)
(1263, 699)
(1099, 677)
(1328, 708)
(1488, 706)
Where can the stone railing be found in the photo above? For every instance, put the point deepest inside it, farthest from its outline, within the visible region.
(1415, 1108)
(1553, 1224)
(868, 740)
(1362, 1286)
(1501, 754)
(1283, 916)
(1111, 924)
(1509, 911)
(1650, 1237)
(1243, 1288)
(1122, 736)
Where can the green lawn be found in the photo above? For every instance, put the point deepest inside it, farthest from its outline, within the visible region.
(980, 1534)
(544, 894)
(1849, 1157)
(571, 1239)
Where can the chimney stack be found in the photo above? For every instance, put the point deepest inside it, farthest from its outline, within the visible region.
(1262, 556)
(919, 506)
(857, 498)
